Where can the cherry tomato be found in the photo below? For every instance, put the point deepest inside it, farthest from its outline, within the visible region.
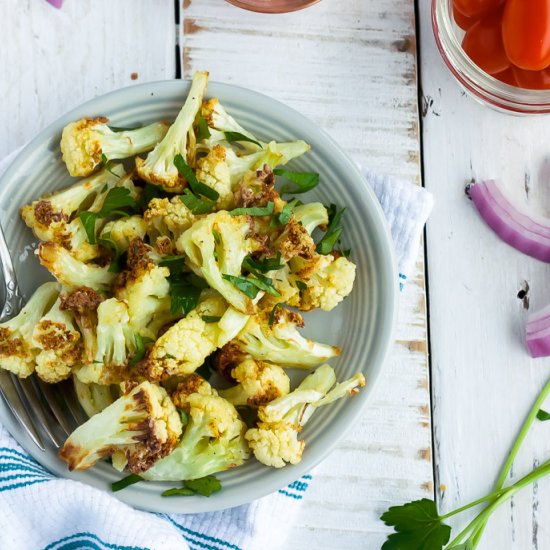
(507, 77)
(483, 44)
(526, 33)
(461, 20)
(532, 80)
(476, 8)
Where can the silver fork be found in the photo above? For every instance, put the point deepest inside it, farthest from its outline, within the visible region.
(35, 405)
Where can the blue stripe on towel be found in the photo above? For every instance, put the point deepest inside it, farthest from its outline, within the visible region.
(291, 495)
(205, 541)
(87, 541)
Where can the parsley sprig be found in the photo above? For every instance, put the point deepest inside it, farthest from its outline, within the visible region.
(304, 181)
(198, 197)
(204, 486)
(418, 524)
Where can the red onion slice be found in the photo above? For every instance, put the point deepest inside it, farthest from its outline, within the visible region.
(527, 233)
(538, 333)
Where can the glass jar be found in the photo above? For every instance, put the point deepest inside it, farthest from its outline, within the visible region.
(273, 6)
(477, 83)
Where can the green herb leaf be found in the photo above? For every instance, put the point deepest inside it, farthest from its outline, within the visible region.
(88, 220)
(125, 482)
(184, 417)
(149, 193)
(334, 230)
(107, 164)
(305, 181)
(204, 486)
(119, 263)
(116, 199)
(141, 342)
(543, 415)
(271, 318)
(196, 186)
(262, 266)
(210, 318)
(195, 204)
(246, 286)
(124, 129)
(301, 285)
(202, 127)
(233, 137)
(286, 213)
(266, 210)
(106, 241)
(178, 492)
(417, 525)
(183, 298)
(172, 261)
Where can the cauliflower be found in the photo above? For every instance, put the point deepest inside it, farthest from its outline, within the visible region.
(213, 170)
(70, 272)
(59, 342)
(215, 247)
(83, 302)
(167, 218)
(158, 168)
(143, 424)
(145, 288)
(17, 349)
(311, 215)
(295, 241)
(85, 141)
(257, 188)
(259, 383)
(281, 343)
(213, 441)
(275, 440)
(183, 348)
(52, 218)
(119, 233)
(93, 398)
(328, 281)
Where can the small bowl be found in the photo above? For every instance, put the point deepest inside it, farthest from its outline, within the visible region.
(477, 83)
(273, 6)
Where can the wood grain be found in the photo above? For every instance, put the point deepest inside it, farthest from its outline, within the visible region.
(483, 380)
(351, 68)
(53, 60)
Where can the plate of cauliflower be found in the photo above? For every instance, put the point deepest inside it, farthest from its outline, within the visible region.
(211, 281)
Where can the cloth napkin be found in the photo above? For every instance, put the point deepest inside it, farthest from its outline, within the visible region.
(40, 511)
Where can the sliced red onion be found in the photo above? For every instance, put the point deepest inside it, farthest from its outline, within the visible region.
(527, 233)
(538, 333)
(56, 3)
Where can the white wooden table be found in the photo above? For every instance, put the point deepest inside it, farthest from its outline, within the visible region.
(351, 67)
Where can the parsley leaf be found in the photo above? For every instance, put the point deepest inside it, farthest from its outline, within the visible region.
(244, 284)
(417, 525)
(271, 318)
(183, 298)
(106, 241)
(178, 492)
(301, 285)
(107, 164)
(210, 318)
(88, 220)
(202, 127)
(233, 137)
(196, 186)
(196, 204)
(125, 128)
(141, 342)
(334, 231)
(263, 266)
(286, 213)
(204, 486)
(305, 181)
(543, 415)
(149, 193)
(266, 210)
(124, 482)
(117, 198)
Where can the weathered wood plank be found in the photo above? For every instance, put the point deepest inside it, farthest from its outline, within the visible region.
(483, 380)
(351, 68)
(52, 61)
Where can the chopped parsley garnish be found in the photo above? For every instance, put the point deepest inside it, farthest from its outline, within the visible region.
(210, 318)
(305, 181)
(543, 415)
(141, 342)
(125, 482)
(233, 137)
(196, 204)
(107, 164)
(334, 231)
(286, 212)
(271, 318)
(196, 186)
(203, 486)
(262, 266)
(266, 210)
(203, 132)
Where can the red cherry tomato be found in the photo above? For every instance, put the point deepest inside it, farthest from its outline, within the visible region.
(483, 44)
(526, 33)
(532, 80)
(476, 8)
(461, 20)
(507, 77)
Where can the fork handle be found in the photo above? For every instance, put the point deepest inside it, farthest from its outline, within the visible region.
(14, 299)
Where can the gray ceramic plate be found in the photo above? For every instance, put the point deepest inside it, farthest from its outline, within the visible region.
(362, 325)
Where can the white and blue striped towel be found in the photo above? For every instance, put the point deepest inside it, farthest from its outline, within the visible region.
(41, 511)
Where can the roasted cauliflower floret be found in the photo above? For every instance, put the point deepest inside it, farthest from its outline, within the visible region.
(281, 343)
(311, 215)
(70, 272)
(191, 383)
(59, 342)
(215, 247)
(119, 233)
(295, 241)
(93, 398)
(84, 142)
(275, 440)
(143, 424)
(213, 170)
(213, 441)
(167, 218)
(17, 349)
(158, 168)
(259, 383)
